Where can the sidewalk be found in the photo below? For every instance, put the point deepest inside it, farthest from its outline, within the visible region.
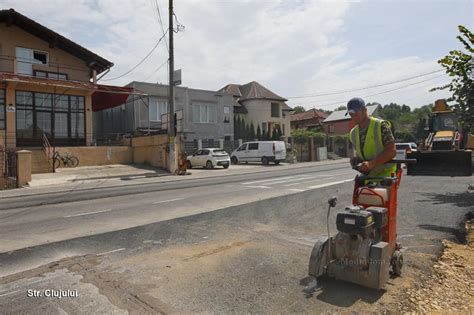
(93, 177)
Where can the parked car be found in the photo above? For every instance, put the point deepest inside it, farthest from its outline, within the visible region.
(208, 158)
(260, 151)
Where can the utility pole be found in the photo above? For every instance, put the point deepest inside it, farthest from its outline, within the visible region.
(171, 122)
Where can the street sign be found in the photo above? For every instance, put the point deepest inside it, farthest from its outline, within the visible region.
(177, 77)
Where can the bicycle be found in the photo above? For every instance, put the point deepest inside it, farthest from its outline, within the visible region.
(68, 160)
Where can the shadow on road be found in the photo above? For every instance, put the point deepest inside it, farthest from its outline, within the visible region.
(341, 293)
(462, 199)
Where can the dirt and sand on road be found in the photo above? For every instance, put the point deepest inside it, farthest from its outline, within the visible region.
(450, 285)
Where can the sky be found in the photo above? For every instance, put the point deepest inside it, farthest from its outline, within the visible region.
(317, 54)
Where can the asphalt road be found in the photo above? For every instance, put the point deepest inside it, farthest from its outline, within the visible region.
(51, 219)
(250, 255)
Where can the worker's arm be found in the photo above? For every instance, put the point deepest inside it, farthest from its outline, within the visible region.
(389, 152)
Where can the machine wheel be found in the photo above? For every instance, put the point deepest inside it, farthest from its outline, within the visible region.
(265, 160)
(209, 165)
(277, 162)
(226, 166)
(397, 263)
(234, 160)
(189, 165)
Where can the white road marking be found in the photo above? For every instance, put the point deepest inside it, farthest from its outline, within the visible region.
(278, 181)
(294, 189)
(9, 293)
(264, 187)
(111, 251)
(170, 200)
(330, 184)
(87, 213)
(267, 180)
(405, 235)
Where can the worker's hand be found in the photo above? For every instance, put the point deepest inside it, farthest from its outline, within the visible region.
(366, 166)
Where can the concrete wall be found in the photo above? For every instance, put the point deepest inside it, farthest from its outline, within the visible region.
(134, 114)
(260, 111)
(91, 156)
(59, 60)
(150, 150)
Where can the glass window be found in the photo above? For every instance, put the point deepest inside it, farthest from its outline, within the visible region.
(253, 146)
(243, 147)
(40, 57)
(60, 125)
(157, 108)
(41, 74)
(62, 76)
(275, 110)
(203, 113)
(24, 99)
(24, 123)
(43, 123)
(77, 125)
(43, 101)
(264, 127)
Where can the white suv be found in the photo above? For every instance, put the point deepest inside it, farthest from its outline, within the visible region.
(208, 158)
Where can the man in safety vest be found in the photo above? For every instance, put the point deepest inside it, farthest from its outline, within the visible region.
(372, 140)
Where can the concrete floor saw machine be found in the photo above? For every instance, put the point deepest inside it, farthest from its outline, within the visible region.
(365, 250)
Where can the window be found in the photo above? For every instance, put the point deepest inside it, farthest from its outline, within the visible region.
(156, 108)
(243, 147)
(275, 110)
(61, 117)
(330, 128)
(264, 127)
(2, 109)
(50, 75)
(204, 113)
(26, 58)
(40, 57)
(253, 146)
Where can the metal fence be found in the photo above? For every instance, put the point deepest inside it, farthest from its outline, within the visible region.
(8, 173)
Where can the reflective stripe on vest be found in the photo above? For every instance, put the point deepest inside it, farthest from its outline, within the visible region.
(373, 146)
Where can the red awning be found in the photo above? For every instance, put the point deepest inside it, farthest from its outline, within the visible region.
(108, 96)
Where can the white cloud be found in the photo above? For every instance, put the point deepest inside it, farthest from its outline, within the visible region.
(291, 47)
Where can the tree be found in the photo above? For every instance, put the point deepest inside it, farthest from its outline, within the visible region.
(237, 128)
(299, 109)
(252, 132)
(460, 65)
(342, 107)
(259, 133)
(274, 134)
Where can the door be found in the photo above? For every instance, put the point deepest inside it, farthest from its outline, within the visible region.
(252, 152)
(240, 153)
(195, 160)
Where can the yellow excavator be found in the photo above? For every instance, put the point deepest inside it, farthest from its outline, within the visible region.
(441, 153)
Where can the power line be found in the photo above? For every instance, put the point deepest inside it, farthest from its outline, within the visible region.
(157, 3)
(156, 70)
(141, 61)
(365, 88)
(383, 92)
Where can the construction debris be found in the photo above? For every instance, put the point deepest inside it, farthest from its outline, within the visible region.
(450, 288)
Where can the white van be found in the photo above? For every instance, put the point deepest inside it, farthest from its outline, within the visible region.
(260, 151)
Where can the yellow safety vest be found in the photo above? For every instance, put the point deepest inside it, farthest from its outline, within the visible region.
(373, 146)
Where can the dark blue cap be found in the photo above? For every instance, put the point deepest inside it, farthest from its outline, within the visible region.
(355, 105)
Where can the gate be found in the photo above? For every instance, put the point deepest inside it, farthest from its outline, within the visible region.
(8, 177)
